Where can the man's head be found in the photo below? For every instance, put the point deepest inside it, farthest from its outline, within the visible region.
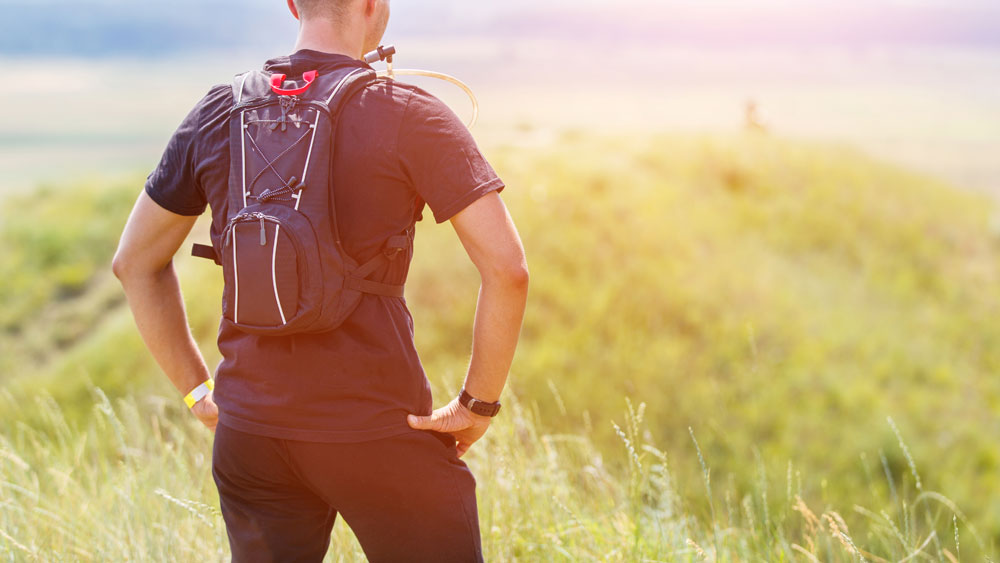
(362, 20)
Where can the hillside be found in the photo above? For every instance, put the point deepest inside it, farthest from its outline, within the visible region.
(780, 297)
(781, 300)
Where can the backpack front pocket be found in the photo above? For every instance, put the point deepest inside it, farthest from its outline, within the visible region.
(266, 270)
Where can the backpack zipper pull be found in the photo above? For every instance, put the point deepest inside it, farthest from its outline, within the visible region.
(263, 233)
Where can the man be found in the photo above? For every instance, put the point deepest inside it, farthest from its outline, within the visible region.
(311, 424)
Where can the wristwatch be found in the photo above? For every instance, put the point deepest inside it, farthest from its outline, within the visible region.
(477, 406)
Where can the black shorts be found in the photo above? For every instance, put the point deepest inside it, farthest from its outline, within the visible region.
(406, 497)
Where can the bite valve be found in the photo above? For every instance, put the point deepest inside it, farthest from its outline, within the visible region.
(383, 53)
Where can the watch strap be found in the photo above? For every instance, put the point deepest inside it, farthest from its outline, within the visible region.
(478, 406)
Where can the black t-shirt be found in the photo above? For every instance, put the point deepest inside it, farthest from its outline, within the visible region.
(397, 149)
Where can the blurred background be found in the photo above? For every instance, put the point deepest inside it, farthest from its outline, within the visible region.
(913, 81)
(773, 222)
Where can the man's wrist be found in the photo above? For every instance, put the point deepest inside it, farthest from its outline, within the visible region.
(199, 392)
(478, 406)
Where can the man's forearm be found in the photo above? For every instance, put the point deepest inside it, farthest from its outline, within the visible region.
(499, 312)
(158, 308)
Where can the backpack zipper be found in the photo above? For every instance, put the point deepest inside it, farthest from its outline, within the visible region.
(252, 216)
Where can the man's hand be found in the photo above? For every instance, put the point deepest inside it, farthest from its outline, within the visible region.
(466, 426)
(206, 411)
(487, 232)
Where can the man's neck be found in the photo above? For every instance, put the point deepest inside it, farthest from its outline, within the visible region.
(326, 37)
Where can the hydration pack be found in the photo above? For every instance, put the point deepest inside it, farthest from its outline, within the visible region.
(284, 266)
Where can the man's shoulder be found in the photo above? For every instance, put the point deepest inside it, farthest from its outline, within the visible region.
(211, 109)
(403, 96)
(219, 96)
(221, 90)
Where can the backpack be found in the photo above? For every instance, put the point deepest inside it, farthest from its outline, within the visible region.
(283, 263)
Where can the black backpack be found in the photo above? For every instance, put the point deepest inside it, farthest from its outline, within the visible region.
(284, 266)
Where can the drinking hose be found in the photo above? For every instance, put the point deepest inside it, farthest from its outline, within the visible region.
(385, 53)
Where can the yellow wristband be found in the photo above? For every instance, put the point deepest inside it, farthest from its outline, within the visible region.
(199, 392)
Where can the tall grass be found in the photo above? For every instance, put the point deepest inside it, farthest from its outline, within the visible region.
(134, 483)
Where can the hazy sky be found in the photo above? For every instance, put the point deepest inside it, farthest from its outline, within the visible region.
(714, 21)
(154, 27)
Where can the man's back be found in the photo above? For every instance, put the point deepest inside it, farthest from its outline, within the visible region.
(397, 147)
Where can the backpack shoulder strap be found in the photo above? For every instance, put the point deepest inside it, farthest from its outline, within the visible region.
(351, 83)
(239, 82)
(239, 94)
(249, 85)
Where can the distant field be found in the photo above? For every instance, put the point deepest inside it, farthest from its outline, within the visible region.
(934, 110)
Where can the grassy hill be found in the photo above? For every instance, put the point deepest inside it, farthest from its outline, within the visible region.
(798, 310)
(775, 296)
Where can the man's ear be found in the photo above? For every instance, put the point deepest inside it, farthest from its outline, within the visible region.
(369, 7)
(293, 9)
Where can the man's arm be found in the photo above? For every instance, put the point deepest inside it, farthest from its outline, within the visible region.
(491, 240)
(144, 264)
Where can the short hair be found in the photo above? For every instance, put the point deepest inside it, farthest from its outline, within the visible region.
(325, 9)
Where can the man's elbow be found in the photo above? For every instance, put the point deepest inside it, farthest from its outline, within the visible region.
(125, 267)
(518, 275)
(513, 274)
(118, 266)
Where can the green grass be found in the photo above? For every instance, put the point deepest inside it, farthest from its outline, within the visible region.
(779, 302)
(56, 245)
(774, 296)
(134, 483)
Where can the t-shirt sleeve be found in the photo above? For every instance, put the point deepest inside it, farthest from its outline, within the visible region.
(440, 157)
(173, 184)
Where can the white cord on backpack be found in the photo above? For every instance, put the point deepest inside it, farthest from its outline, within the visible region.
(440, 76)
(385, 53)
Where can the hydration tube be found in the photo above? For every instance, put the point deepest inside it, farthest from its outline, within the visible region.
(385, 53)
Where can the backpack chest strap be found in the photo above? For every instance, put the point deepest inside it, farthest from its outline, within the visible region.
(373, 287)
(205, 251)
